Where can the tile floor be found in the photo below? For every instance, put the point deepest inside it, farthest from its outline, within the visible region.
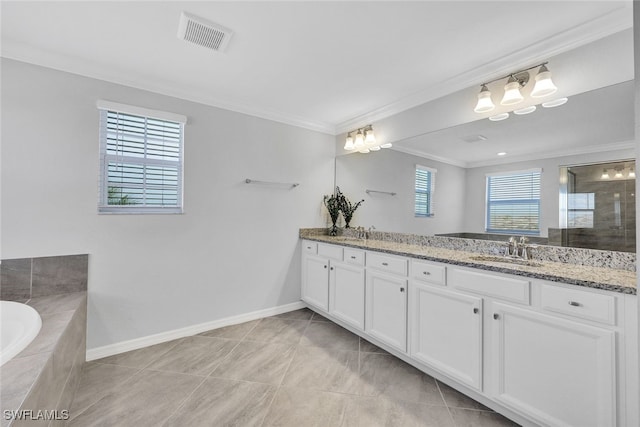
(295, 369)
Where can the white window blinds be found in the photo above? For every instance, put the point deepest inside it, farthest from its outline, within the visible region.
(424, 189)
(513, 202)
(141, 163)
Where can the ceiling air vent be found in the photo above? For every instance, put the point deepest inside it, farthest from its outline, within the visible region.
(204, 33)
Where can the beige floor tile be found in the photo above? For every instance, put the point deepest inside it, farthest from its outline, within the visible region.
(222, 402)
(256, 361)
(141, 357)
(367, 347)
(296, 407)
(279, 331)
(233, 332)
(96, 381)
(374, 412)
(454, 399)
(330, 336)
(147, 399)
(302, 314)
(473, 418)
(195, 355)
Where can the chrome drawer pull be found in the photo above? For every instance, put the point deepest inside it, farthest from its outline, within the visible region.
(308, 247)
(385, 263)
(496, 316)
(352, 257)
(427, 273)
(475, 311)
(575, 304)
(401, 289)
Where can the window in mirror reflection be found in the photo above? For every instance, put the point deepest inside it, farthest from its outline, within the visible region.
(599, 209)
(513, 202)
(424, 189)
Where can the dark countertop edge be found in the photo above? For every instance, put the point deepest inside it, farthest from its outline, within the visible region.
(506, 270)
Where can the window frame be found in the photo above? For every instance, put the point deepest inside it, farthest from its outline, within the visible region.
(430, 192)
(488, 203)
(104, 107)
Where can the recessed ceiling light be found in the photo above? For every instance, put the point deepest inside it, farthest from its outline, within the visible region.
(525, 110)
(499, 117)
(555, 103)
(502, 153)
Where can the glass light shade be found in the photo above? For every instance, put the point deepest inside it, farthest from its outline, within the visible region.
(544, 86)
(605, 174)
(499, 117)
(359, 139)
(387, 145)
(512, 93)
(348, 145)
(484, 101)
(555, 103)
(525, 110)
(618, 174)
(369, 138)
(632, 174)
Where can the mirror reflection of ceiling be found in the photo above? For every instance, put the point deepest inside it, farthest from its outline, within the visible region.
(599, 120)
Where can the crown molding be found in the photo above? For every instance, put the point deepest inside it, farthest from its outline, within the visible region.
(424, 155)
(615, 21)
(593, 149)
(29, 54)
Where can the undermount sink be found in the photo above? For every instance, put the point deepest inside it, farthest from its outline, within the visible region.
(506, 260)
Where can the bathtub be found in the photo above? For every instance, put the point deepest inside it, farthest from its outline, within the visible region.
(19, 325)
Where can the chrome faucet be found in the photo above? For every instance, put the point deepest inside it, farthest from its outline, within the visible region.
(517, 248)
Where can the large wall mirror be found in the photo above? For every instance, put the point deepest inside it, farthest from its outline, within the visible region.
(593, 127)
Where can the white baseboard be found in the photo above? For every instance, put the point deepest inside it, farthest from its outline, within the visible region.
(134, 344)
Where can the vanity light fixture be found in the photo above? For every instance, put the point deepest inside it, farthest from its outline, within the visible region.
(618, 173)
(499, 117)
(526, 110)
(364, 141)
(544, 86)
(555, 103)
(484, 101)
(632, 174)
(605, 174)
(515, 82)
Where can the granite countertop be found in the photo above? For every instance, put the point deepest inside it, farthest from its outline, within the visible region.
(609, 279)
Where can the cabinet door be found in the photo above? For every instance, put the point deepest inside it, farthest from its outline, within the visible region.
(346, 293)
(446, 332)
(386, 309)
(315, 281)
(559, 372)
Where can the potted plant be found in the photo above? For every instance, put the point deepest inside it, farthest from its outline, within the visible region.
(333, 206)
(346, 207)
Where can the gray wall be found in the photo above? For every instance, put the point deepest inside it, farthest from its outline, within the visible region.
(393, 171)
(233, 250)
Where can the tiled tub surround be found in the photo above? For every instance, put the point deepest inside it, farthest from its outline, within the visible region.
(608, 270)
(45, 375)
(25, 278)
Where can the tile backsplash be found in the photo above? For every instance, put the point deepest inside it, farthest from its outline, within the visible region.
(25, 278)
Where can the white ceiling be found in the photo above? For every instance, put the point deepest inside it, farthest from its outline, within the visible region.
(322, 65)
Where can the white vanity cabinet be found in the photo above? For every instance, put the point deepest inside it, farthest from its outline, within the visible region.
(333, 281)
(556, 371)
(386, 299)
(346, 288)
(540, 352)
(446, 332)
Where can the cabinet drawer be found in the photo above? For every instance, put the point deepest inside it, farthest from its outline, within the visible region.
(353, 256)
(504, 288)
(582, 304)
(309, 247)
(429, 272)
(387, 263)
(330, 251)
